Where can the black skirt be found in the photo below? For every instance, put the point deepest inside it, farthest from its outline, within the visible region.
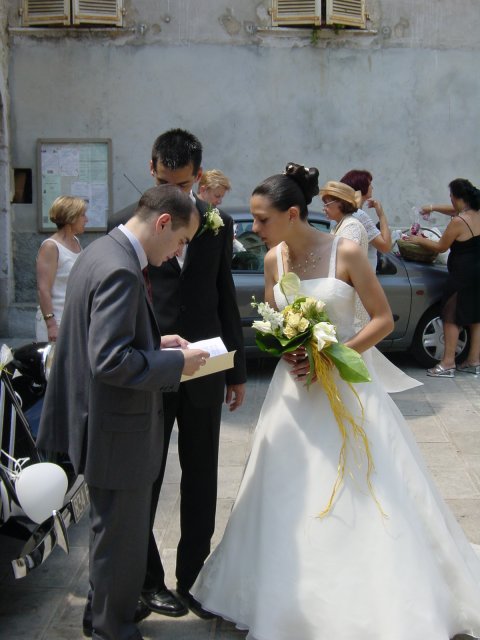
(461, 299)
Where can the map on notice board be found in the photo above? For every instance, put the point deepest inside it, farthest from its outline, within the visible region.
(75, 168)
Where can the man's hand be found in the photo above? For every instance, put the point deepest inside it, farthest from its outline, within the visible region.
(194, 359)
(234, 396)
(170, 342)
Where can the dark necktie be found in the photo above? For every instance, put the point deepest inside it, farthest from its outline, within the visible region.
(148, 284)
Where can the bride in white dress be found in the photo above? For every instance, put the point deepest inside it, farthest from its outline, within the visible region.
(281, 571)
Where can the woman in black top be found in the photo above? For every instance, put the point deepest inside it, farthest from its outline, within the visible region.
(461, 299)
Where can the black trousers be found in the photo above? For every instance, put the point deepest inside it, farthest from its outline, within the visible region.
(198, 441)
(119, 526)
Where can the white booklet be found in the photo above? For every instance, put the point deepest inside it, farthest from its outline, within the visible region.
(219, 360)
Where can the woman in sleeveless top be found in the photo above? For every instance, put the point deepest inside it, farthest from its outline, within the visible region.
(461, 299)
(292, 565)
(56, 257)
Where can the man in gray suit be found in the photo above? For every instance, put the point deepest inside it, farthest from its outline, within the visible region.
(103, 404)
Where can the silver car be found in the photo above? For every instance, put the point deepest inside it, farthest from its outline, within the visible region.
(414, 291)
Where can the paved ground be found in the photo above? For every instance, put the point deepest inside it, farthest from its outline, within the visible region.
(444, 415)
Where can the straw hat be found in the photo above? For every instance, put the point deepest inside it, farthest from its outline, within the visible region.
(341, 191)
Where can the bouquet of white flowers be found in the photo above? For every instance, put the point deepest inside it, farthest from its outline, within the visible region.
(305, 322)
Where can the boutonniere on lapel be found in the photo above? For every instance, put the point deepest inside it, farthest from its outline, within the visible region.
(212, 220)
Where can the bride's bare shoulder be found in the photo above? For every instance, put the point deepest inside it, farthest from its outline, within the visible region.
(271, 256)
(349, 249)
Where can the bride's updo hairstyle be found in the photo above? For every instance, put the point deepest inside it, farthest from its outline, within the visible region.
(464, 189)
(295, 187)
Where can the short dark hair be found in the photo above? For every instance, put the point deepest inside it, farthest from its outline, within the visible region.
(166, 198)
(176, 149)
(358, 179)
(464, 189)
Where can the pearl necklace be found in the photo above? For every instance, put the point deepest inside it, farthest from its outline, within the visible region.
(310, 262)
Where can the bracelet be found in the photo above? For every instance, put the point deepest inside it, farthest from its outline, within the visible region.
(47, 316)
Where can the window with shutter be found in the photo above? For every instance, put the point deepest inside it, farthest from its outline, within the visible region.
(296, 12)
(38, 13)
(46, 12)
(350, 13)
(97, 12)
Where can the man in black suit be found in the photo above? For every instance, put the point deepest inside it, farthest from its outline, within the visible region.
(103, 404)
(193, 294)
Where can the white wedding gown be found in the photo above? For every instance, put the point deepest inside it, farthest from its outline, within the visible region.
(283, 573)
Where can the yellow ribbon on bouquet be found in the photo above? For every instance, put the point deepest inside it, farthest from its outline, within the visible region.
(323, 371)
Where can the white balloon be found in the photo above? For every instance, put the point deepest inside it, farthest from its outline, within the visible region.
(41, 489)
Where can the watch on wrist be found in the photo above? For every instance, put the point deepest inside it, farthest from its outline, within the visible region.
(47, 316)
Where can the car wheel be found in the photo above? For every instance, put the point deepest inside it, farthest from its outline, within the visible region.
(428, 342)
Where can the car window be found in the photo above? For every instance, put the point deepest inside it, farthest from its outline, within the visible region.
(248, 249)
(321, 225)
(385, 265)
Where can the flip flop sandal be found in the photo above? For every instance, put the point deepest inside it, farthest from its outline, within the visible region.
(439, 371)
(469, 368)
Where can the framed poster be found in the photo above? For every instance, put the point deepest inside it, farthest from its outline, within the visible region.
(75, 167)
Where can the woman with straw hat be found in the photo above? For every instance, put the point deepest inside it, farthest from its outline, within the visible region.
(339, 203)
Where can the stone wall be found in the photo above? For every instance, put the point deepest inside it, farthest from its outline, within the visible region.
(399, 98)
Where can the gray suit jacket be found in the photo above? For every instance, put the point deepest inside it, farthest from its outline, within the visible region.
(103, 404)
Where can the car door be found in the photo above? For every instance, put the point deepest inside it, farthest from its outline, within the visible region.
(394, 279)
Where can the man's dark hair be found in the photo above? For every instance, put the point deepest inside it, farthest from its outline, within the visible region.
(166, 198)
(176, 149)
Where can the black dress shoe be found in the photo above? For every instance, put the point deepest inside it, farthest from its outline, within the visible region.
(165, 603)
(141, 612)
(194, 605)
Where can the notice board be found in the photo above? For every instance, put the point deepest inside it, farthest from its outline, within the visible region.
(75, 167)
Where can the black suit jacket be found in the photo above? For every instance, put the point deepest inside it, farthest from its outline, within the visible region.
(199, 301)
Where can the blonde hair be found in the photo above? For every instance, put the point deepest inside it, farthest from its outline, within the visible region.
(66, 210)
(213, 179)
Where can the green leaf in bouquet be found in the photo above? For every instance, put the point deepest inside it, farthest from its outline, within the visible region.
(278, 345)
(349, 363)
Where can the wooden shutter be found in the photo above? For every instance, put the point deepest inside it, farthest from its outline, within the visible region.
(108, 12)
(296, 12)
(42, 12)
(350, 13)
